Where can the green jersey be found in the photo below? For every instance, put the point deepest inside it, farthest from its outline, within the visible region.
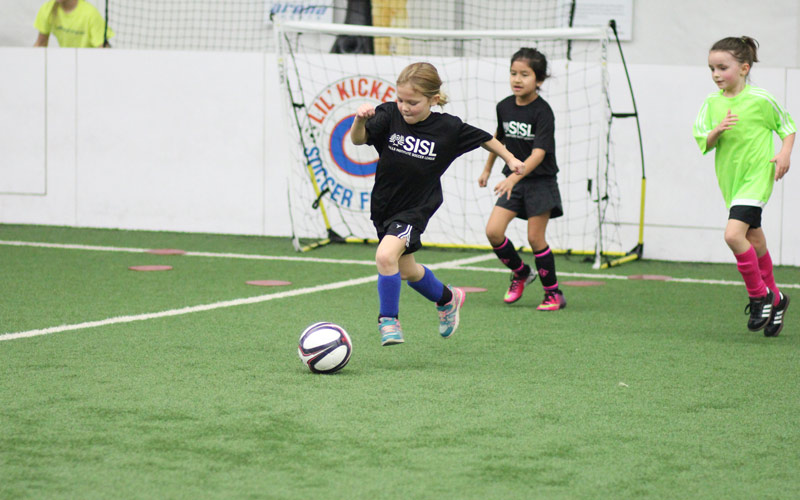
(742, 161)
(82, 27)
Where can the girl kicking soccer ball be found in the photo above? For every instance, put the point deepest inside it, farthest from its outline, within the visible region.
(415, 146)
(739, 121)
(525, 125)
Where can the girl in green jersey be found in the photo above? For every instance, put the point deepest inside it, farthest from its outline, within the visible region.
(739, 122)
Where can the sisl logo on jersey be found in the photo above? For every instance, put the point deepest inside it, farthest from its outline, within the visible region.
(413, 146)
(345, 170)
(518, 130)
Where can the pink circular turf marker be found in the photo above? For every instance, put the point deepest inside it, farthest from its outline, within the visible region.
(166, 251)
(583, 283)
(269, 283)
(651, 277)
(150, 268)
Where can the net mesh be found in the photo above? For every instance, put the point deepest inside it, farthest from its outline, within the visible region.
(331, 179)
(247, 25)
(475, 75)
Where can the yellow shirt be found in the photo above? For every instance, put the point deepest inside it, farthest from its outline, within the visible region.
(81, 27)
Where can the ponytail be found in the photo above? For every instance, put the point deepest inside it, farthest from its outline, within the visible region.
(743, 48)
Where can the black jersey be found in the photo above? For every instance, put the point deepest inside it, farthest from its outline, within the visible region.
(525, 128)
(412, 158)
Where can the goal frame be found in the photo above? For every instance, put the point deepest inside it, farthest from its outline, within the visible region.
(600, 35)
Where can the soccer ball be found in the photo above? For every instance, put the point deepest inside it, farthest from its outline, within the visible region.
(325, 347)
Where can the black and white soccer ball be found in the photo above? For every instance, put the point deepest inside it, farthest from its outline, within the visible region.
(325, 347)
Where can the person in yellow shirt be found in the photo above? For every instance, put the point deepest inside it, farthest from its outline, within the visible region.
(75, 23)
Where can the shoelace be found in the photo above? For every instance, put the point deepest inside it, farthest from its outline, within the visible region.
(447, 309)
(390, 327)
(753, 307)
(516, 283)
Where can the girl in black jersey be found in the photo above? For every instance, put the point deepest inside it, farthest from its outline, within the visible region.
(526, 125)
(415, 146)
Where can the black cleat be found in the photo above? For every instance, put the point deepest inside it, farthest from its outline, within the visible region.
(760, 309)
(775, 325)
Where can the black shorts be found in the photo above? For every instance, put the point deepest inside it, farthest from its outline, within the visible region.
(748, 214)
(404, 232)
(534, 196)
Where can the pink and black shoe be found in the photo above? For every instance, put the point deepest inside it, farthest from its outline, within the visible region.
(518, 284)
(553, 301)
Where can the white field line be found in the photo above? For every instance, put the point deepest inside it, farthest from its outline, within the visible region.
(187, 310)
(222, 304)
(625, 277)
(190, 254)
(461, 264)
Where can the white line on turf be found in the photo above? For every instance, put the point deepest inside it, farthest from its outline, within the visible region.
(461, 264)
(94, 248)
(218, 305)
(188, 310)
(625, 277)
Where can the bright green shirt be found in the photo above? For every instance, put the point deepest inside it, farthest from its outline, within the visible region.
(742, 160)
(82, 27)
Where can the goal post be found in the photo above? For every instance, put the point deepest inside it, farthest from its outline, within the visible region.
(330, 179)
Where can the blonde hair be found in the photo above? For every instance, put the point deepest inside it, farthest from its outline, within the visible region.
(424, 78)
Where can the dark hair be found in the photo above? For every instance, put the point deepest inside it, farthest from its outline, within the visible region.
(535, 59)
(743, 48)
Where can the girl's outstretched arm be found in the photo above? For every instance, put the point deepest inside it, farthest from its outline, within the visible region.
(358, 132)
(505, 186)
(487, 168)
(496, 147)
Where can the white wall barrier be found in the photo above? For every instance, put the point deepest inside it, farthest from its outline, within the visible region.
(196, 141)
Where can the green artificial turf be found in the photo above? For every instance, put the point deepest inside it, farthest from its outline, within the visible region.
(638, 389)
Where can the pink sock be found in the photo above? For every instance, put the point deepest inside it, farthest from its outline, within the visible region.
(747, 263)
(765, 267)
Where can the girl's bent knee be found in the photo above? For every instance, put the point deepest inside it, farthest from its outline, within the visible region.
(495, 239)
(385, 260)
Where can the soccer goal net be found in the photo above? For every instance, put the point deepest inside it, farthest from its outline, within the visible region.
(330, 179)
(247, 25)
